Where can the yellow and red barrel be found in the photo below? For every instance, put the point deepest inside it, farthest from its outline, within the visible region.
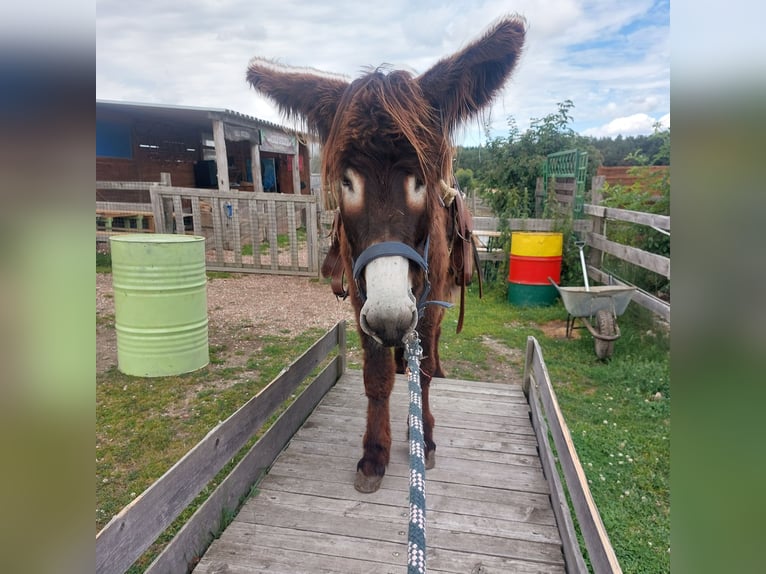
(535, 256)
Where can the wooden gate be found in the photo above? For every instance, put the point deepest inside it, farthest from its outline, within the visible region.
(244, 232)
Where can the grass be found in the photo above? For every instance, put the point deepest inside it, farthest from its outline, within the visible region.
(619, 423)
(283, 242)
(103, 262)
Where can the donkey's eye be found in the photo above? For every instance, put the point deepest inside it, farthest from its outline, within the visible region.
(352, 190)
(415, 191)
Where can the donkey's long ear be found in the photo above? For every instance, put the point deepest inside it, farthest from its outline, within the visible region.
(298, 93)
(460, 85)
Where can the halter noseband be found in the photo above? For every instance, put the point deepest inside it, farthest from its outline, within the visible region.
(391, 249)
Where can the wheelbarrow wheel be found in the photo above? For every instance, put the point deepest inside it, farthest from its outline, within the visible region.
(606, 326)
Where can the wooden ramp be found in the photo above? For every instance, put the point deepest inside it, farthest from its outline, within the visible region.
(488, 503)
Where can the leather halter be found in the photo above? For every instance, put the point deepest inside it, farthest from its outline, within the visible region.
(393, 249)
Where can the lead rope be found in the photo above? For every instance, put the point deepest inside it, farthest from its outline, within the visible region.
(416, 535)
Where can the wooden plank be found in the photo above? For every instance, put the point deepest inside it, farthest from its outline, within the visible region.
(221, 159)
(292, 238)
(281, 508)
(444, 418)
(527, 224)
(157, 210)
(319, 441)
(651, 261)
(227, 268)
(196, 216)
(178, 212)
(640, 217)
(532, 508)
(217, 233)
(271, 207)
(336, 418)
(236, 234)
(245, 556)
(386, 524)
(191, 541)
(145, 208)
(312, 237)
(255, 231)
(137, 525)
(640, 297)
(600, 551)
(238, 195)
(125, 185)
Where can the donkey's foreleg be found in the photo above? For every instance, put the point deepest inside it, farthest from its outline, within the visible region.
(378, 383)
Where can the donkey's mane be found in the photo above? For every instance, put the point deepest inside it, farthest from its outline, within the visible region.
(384, 114)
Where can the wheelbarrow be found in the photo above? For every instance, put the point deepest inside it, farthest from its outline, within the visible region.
(598, 307)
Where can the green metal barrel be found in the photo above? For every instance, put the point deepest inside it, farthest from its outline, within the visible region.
(160, 303)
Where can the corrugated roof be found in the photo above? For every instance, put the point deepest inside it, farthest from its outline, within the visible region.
(188, 114)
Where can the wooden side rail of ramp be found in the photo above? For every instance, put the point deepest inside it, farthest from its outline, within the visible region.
(547, 418)
(137, 526)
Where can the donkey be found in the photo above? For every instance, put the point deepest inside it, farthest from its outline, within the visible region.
(387, 157)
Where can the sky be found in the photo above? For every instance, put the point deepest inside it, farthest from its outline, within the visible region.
(610, 58)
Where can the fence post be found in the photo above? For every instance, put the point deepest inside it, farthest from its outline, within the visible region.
(167, 204)
(596, 256)
(539, 197)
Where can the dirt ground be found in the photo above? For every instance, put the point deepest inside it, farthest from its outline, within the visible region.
(237, 307)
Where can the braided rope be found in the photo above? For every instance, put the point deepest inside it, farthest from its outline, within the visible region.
(416, 535)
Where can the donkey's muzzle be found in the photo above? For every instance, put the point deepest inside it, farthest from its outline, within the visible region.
(390, 310)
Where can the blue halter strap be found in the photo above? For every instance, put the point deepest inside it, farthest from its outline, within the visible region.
(391, 249)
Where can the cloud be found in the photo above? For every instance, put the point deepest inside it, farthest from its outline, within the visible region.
(611, 59)
(635, 124)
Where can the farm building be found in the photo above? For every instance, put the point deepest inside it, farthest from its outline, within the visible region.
(626, 175)
(198, 147)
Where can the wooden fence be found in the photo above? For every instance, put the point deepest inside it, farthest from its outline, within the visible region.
(285, 234)
(246, 232)
(599, 245)
(548, 420)
(127, 536)
(593, 230)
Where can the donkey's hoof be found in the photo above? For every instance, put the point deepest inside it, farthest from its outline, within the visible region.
(367, 484)
(430, 459)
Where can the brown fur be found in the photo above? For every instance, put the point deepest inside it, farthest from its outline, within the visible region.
(386, 126)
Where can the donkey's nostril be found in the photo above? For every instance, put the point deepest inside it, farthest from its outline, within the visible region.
(388, 329)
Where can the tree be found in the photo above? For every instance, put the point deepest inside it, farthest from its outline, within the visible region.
(508, 170)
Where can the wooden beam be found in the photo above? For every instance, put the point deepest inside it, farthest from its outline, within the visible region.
(221, 159)
(210, 193)
(296, 168)
(657, 263)
(640, 217)
(255, 167)
(528, 224)
(600, 551)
